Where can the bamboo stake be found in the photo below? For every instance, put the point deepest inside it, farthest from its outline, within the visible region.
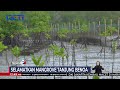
(111, 31)
(51, 26)
(94, 28)
(118, 25)
(111, 24)
(105, 25)
(89, 29)
(64, 25)
(99, 26)
(55, 27)
(75, 26)
(69, 26)
(99, 30)
(118, 30)
(105, 40)
(112, 48)
(58, 27)
(79, 25)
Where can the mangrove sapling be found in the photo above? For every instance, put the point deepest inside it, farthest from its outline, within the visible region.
(38, 61)
(62, 34)
(114, 48)
(48, 37)
(109, 31)
(84, 28)
(73, 43)
(12, 36)
(58, 51)
(16, 52)
(2, 48)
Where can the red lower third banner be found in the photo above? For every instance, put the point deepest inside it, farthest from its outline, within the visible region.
(9, 74)
(4, 74)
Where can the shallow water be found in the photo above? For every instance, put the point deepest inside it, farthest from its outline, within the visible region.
(80, 54)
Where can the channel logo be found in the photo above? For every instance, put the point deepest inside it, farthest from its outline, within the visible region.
(19, 63)
(15, 17)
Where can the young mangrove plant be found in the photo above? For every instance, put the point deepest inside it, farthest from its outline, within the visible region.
(58, 51)
(16, 52)
(2, 48)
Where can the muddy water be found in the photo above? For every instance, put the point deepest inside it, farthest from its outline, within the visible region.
(80, 56)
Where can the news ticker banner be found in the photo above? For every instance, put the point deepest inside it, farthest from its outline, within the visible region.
(48, 70)
(52, 71)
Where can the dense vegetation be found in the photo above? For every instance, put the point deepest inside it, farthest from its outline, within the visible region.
(83, 16)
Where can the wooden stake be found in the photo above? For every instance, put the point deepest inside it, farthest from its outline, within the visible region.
(99, 31)
(111, 26)
(89, 28)
(51, 25)
(75, 25)
(72, 25)
(64, 25)
(111, 22)
(99, 27)
(118, 25)
(58, 27)
(94, 27)
(105, 40)
(69, 26)
(105, 27)
(79, 25)
(55, 27)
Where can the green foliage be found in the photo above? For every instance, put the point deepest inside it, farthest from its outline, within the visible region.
(96, 77)
(63, 33)
(37, 60)
(73, 42)
(10, 27)
(38, 21)
(47, 36)
(83, 16)
(109, 31)
(47, 55)
(84, 28)
(25, 32)
(74, 31)
(0, 29)
(114, 46)
(16, 51)
(2, 36)
(11, 36)
(62, 52)
(67, 56)
(57, 51)
(2, 47)
(26, 35)
(85, 49)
